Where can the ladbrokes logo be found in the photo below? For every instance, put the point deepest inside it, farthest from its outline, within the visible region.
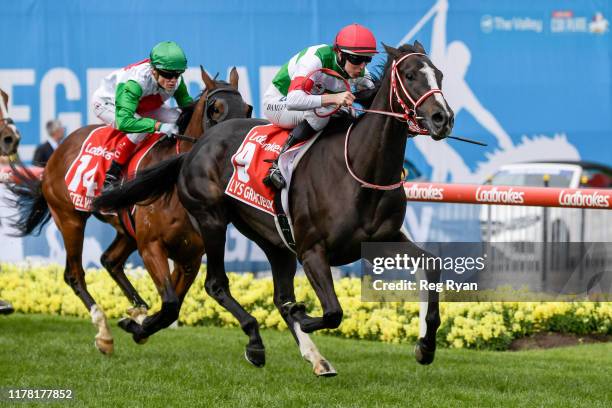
(503, 197)
(99, 151)
(415, 192)
(581, 199)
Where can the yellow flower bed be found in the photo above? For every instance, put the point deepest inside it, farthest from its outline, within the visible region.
(484, 325)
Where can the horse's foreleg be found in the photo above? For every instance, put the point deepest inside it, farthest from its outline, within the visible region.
(155, 258)
(319, 275)
(113, 260)
(283, 265)
(217, 286)
(429, 308)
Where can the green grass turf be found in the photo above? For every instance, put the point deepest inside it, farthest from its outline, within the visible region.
(204, 367)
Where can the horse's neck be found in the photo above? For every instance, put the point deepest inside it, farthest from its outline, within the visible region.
(378, 142)
(194, 128)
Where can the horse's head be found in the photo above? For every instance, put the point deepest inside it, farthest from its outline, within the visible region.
(9, 135)
(223, 101)
(416, 85)
(219, 101)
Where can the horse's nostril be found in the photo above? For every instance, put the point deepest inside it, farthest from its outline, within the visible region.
(7, 139)
(438, 118)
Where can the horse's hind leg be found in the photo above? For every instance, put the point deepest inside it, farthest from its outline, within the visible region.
(72, 226)
(113, 259)
(283, 265)
(183, 277)
(217, 286)
(319, 275)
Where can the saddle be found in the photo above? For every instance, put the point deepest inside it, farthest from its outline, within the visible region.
(85, 175)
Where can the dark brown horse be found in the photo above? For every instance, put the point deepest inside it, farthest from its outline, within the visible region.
(332, 213)
(162, 227)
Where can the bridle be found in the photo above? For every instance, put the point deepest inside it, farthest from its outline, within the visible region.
(409, 116)
(210, 103)
(7, 122)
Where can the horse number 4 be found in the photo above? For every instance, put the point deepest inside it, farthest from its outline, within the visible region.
(243, 161)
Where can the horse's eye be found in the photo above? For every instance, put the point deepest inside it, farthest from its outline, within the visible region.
(409, 76)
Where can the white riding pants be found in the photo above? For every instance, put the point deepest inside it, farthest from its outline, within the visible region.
(275, 110)
(104, 109)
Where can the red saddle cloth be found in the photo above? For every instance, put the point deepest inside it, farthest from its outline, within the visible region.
(251, 163)
(85, 176)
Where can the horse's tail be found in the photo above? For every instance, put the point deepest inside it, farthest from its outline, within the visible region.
(27, 197)
(148, 185)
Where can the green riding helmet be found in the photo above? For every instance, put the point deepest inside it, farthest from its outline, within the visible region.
(168, 56)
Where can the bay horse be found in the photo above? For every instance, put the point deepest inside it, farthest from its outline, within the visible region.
(162, 228)
(9, 135)
(331, 210)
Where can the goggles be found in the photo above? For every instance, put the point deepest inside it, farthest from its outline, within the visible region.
(169, 74)
(357, 59)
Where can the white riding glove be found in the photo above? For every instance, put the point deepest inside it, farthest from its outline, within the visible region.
(169, 129)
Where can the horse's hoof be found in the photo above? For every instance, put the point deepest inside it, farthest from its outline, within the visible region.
(139, 339)
(325, 369)
(105, 346)
(255, 356)
(423, 354)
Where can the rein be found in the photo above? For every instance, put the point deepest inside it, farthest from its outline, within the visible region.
(409, 116)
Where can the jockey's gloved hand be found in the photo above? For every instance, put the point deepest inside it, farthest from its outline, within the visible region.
(169, 129)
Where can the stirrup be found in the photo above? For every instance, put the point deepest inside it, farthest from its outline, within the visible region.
(275, 178)
(109, 181)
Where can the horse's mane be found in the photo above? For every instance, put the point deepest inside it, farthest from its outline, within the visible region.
(378, 72)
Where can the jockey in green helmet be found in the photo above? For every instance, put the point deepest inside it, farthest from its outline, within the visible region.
(132, 100)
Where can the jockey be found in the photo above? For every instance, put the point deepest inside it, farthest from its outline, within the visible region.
(132, 100)
(290, 100)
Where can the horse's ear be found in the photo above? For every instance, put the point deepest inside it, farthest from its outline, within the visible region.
(233, 80)
(208, 81)
(393, 52)
(5, 97)
(418, 47)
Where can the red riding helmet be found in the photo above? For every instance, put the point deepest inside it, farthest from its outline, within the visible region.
(355, 39)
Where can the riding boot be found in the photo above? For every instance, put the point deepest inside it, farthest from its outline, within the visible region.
(113, 175)
(301, 132)
(123, 152)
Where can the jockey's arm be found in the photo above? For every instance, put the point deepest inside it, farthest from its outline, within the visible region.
(181, 95)
(127, 98)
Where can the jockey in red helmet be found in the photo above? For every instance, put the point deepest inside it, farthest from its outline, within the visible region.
(290, 100)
